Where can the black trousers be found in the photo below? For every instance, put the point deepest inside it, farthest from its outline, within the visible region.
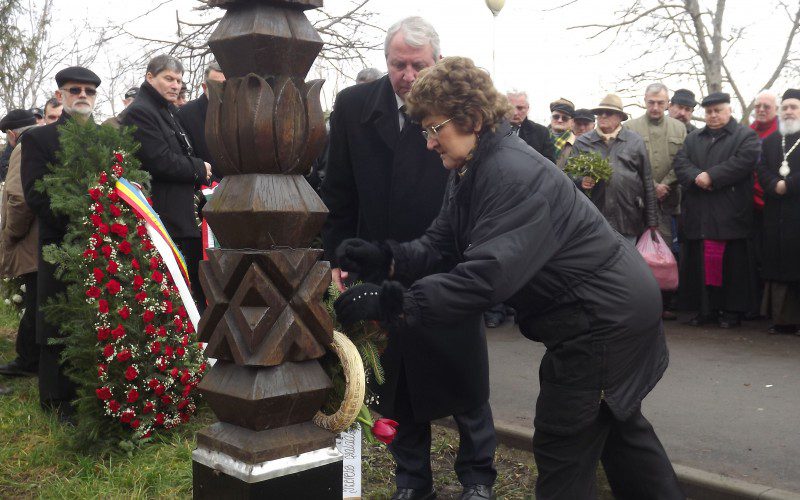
(26, 347)
(636, 464)
(192, 250)
(411, 447)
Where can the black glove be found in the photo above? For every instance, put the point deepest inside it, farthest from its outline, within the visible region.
(369, 301)
(367, 261)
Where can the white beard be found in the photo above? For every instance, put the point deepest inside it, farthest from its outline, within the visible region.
(788, 127)
(84, 111)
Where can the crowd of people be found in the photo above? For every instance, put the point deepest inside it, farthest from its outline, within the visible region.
(453, 209)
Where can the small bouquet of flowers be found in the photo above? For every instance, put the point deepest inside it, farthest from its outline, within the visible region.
(590, 165)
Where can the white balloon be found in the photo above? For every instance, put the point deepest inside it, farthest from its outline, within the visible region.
(495, 5)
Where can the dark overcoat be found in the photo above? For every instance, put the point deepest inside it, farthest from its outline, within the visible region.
(781, 233)
(39, 148)
(525, 235)
(166, 155)
(192, 116)
(725, 212)
(382, 184)
(538, 137)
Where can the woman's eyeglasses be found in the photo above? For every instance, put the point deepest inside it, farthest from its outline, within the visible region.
(77, 91)
(433, 130)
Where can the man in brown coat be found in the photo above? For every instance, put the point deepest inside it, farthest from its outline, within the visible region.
(19, 235)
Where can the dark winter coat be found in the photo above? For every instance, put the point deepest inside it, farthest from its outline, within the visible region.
(627, 200)
(192, 117)
(538, 137)
(381, 184)
(525, 235)
(725, 212)
(169, 158)
(781, 261)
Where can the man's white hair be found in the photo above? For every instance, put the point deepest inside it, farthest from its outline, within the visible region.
(772, 96)
(417, 32)
(517, 93)
(656, 88)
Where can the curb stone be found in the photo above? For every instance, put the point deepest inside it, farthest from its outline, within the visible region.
(696, 483)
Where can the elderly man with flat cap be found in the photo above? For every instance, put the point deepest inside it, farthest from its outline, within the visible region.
(583, 122)
(681, 107)
(715, 169)
(77, 90)
(779, 173)
(562, 112)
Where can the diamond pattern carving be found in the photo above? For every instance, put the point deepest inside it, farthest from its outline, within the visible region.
(265, 307)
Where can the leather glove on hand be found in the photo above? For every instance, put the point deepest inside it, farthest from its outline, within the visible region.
(370, 302)
(368, 261)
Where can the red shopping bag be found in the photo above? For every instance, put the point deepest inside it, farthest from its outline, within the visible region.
(660, 259)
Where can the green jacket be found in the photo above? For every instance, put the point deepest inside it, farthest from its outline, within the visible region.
(663, 141)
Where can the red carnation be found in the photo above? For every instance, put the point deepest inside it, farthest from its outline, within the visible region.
(102, 306)
(160, 418)
(98, 208)
(95, 220)
(103, 393)
(106, 249)
(103, 334)
(113, 287)
(155, 347)
(148, 316)
(95, 194)
(140, 297)
(157, 276)
(118, 332)
(90, 254)
(133, 395)
(113, 406)
(180, 351)
(115, 211)
(93, 292)
(108, 351)
(141, 230)
(120, 230)
(103, 178)
(135, 264)
(98, 274)
(125, 312)
(149, 329)
(138, 282)
(125, 247)
(130, 373)
(148, 407)
(124, 355)
(112, 268)
(103, 228)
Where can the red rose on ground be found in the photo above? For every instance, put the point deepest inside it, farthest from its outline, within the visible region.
(185, 377)
(103, 393)
(112, 268)
(120, 230)
(133, 395)
(113, 406)
(115, 211)
(140, 297)
(103, 334)
(108, 351)
(385, 430)
(106, 250)
(124, 355)
(102, 306)
(135, 264)
(118, 332)
(125, 312)
(113, 287)
(131, 373)
(138, 282)
(93, 292)
(95, 194)
(95, 220)
(98, 274)
(149, 316)
(125, 247)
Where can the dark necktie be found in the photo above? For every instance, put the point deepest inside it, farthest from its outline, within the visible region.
(405, 117)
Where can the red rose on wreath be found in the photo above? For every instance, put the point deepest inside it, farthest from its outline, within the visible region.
(118, 332)
(124, 355)
(125, 247)
(103, 393)
(108, 351)
(93, 292)
(113, 406)
(133, 395)
(147, 317)
(114, 210)
(113, 287)
(98, 274)
(102, 306)
(112, 268)
(124, 312)
(95, 194)
(120, 230)
(131, 373)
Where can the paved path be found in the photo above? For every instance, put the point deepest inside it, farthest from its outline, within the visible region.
(729, 402)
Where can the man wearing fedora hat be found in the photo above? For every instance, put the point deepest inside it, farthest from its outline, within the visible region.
(715, 169)
(18, 246)
(627, 199)
(77, 90)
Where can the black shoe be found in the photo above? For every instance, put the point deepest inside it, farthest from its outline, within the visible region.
(702, 319)
(16, 369)
(412, 494)
(782, 329)
(4, 391)
(476, 492)
(729, 320)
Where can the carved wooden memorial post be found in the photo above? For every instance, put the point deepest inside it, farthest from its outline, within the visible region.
(265, 322)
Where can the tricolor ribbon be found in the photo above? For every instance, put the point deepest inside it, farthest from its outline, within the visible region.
(162, 241)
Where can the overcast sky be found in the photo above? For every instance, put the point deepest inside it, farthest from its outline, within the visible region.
(535, 51)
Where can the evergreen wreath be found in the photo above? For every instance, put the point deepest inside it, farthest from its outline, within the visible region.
(128, 342)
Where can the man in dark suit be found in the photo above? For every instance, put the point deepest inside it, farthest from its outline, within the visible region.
(193, 115)
(382, 183)
(537, 136)
(77, 90)
(169, 157)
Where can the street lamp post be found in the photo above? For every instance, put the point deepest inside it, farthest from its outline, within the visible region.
(495, 6)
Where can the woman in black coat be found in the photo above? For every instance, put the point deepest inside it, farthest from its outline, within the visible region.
(523, 234)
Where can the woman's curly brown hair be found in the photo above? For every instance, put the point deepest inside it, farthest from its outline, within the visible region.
(457, 89)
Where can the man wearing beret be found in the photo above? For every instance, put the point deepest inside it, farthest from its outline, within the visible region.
(77, 90)
(681, 107)
(562, 111)
(779, 173)
(18, 246)
(715, 169)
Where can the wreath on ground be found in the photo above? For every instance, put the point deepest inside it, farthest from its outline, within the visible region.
(129, 345)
